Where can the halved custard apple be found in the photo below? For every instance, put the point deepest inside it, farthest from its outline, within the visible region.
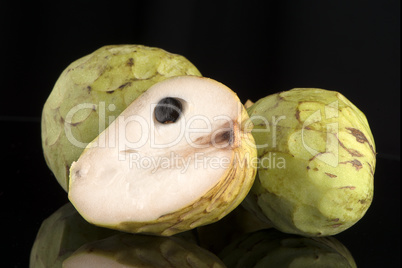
(178, 157)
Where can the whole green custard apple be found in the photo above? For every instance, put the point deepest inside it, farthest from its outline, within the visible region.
(92, 91)
(316, 162)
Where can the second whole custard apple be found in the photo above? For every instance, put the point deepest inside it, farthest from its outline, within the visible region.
(93, 90)
(316, 162)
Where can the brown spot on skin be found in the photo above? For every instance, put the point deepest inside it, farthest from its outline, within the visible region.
(308, 167)
(355, 163)
(336, 225)
(124, 85)
(360, 137)
(371, 169)
(315, 169)
(130, 62)
(358, 134)
(363, 201)
(348, 187)
(298, 115)
(330, 175)
(110, 91)
(75, 124)
(311, 159)
(352, 152)
(336, 220)
(89, 88)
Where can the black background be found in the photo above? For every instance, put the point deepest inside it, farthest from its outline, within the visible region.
(255, 47)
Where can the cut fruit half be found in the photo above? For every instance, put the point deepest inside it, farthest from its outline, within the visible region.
(178, 157)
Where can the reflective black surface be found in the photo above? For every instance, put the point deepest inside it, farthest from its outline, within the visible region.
(30, 194)
(348, 46)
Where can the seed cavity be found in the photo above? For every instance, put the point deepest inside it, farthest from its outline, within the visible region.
(225, 137)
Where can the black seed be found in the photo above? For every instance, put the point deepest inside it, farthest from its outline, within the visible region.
(168, 110)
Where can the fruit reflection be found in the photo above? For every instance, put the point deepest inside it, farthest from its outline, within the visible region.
(271, 248)
(65, 239)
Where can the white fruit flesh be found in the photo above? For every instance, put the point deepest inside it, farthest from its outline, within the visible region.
(138, 169)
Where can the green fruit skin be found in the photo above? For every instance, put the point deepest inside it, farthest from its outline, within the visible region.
(305, 192)
(107, 81)
(130, 250)
(271, 248)
(60, 235)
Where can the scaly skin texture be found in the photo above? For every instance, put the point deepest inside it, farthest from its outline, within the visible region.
(271, 248)
(60, 235)
(104, 82)
(317, 161)
(143, 251)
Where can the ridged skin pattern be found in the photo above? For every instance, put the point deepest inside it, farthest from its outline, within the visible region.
(317, 161)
